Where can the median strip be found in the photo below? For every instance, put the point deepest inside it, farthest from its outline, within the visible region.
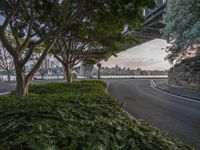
(75, 116)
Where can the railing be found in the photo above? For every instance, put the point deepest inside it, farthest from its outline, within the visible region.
(155, 15)
(125, 77)
(156, 11)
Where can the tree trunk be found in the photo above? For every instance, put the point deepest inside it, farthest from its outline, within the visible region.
(68, 73)
(22, 84)
(8, 75)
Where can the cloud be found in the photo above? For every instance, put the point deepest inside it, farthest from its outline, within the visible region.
(149, 56)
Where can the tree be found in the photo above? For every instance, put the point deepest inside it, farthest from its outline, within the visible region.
(182, 28)
(72, 50)
(100, 31)
(33, 23)
(6, 62)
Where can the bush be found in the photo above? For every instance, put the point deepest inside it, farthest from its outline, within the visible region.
(75, 87)
(75, 121)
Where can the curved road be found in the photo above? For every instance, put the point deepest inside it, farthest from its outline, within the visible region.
(181, 118)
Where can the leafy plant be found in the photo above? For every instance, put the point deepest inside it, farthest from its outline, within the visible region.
(66, 119)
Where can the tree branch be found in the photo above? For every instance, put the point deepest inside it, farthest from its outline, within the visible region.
(40, 60)
(9, 17)
(58, 58)
(8, 45)
(28, 37)
(15, 35)
(28, 55)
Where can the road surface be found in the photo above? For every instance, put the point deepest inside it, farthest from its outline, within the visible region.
(6, 87)
(181, 118)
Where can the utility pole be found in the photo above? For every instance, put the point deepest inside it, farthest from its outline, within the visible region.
(99, 71)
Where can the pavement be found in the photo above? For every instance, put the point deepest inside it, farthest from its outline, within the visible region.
(6, 87)
(177, 115)
(163, 85)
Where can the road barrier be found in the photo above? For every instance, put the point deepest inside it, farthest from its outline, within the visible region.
(125, 77)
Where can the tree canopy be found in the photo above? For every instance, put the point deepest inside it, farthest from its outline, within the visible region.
(182, 28)
(35, 22)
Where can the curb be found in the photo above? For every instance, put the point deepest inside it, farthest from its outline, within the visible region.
(154, 86)
(129, 115)
(107, 85)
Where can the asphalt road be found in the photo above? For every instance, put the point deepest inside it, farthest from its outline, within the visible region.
(6, 87)
(181, 118)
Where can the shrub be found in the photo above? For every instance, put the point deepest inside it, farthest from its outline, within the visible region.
(77, 87)
(75, 121)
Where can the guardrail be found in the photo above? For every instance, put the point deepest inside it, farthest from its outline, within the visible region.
(125, 77)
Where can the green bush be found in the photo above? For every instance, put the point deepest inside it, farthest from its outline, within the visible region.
(75, 121)
(77, 87)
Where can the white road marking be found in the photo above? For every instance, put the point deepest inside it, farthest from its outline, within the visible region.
(153, 85)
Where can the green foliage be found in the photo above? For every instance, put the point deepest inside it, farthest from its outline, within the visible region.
(76, 87)
(75, 120)
(182, 27)
(101, 30)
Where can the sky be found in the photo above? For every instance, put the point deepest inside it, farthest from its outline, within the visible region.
(147, 56)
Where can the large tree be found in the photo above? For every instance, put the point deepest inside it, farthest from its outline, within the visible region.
(32, 23)
(72, 50)
(35, 22)
(99, 32)
(182, 28)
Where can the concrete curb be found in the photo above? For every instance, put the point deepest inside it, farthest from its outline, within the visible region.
(154, 86)
(130, 116)
(107, 85)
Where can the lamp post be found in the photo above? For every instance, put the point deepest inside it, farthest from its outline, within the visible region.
(99, 71)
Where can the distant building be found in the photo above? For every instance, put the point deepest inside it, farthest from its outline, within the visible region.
(49, 65)
(127, 71)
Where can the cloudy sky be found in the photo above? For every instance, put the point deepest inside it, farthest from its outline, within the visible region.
(148, 56)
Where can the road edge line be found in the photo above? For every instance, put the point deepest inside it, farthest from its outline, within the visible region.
(153, 85)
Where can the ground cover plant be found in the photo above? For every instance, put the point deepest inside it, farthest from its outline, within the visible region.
(77, 116)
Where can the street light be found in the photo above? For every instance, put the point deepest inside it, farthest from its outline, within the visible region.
(99, 71)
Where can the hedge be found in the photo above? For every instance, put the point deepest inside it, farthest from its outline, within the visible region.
(75, 117)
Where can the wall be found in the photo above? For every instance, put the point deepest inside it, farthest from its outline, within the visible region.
(186, 74)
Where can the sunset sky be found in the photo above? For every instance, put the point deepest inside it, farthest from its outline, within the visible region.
(148, 56)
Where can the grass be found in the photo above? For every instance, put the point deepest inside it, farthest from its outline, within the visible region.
(77, 116)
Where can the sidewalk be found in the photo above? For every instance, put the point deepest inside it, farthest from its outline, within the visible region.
(162, 85)
(6, 88)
